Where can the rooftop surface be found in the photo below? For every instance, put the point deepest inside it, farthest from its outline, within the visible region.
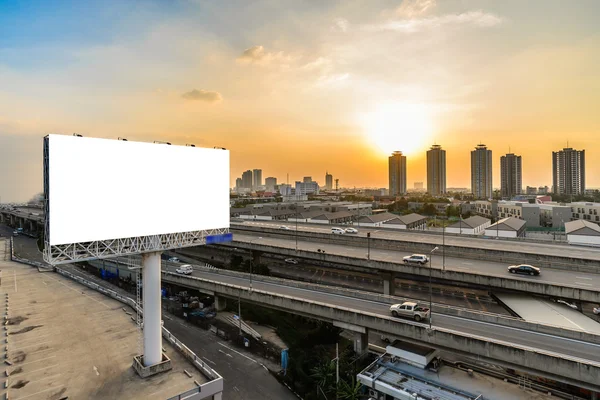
(67, 340)
(447, 384)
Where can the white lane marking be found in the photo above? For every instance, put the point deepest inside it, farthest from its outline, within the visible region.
(212, 362)
(80, 291)
(236, 389)
(42, 391)
(583, 277)
(96, 371)
(227, 354)
(36, 361)
(35, 344)
(237, 352)
(584, 284)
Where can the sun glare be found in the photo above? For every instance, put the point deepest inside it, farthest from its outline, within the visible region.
(404, 127)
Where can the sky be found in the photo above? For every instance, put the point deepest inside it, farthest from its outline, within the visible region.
(304, 87)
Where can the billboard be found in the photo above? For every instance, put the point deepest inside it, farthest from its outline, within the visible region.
(102, 189)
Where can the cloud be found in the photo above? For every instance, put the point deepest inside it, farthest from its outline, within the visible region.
(340, 25)
(411, 25)
(258, 55)
(203, 95)
(414, 8)
(333, 80)
(320, 63)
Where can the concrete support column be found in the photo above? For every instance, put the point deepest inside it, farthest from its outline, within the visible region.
(220, 303)
(152, 309)
(256, 257)
(361, 342)
(388, 283)
(31, 226)
(218, 396)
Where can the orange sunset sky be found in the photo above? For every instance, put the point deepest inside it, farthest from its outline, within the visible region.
(305, 87)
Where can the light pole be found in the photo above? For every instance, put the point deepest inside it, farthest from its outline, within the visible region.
(369, 246)
(297, 215)
(430, 289)
(444, 247)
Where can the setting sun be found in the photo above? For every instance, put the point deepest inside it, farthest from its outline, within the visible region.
(405, 127)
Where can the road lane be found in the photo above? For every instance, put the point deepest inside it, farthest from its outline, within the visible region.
(490, 268)
(569, 347)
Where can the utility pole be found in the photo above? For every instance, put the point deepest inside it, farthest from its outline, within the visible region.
(430, 287)
(240, 312)
(337, 369)
(369, 246)
(297, 215)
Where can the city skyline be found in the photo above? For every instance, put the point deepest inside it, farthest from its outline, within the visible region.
(357, 83)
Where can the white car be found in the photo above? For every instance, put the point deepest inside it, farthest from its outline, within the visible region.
(596, 310)
(291, 261)
(285, 228)
(416, 259)
(337, 231)
(351, 230)
(185, 269)
(411, 310)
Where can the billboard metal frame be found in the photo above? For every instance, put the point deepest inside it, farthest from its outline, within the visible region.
(118, 247)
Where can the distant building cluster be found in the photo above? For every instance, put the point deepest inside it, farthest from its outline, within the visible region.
(568, 174)
(252, 181)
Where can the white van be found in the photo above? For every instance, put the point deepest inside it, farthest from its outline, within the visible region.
(185, 269)
(337, 231)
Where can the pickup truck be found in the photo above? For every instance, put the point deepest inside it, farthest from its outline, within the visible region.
(416, 259)
(411, 310)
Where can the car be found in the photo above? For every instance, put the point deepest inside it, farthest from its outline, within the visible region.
(173, 259)
(410, 309)
(285, 228)
(596, 310)
(291, 261)
(185, 269)
(416, 259)
(351, 230)
(525, 269)
(337, 231)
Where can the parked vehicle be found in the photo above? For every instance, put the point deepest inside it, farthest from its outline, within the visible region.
(410, 309)
(285, 228)
(416, 259)
(351, 230)
(337, 231)
(185, 269)
(291, 261)
(525, 269)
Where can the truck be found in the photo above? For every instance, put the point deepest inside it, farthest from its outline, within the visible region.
(410, 309)
(416, 259)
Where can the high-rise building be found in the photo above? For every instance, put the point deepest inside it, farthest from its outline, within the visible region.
(481, 172)
(257, 178)
(568, 171)
(418, 185)
(285, 189)
(238, 183)
(307, 179)
(436, 170)
(328, 181)
(511, 179)
(303, 188)
(397, 174)
(247, 179)
(270, 184)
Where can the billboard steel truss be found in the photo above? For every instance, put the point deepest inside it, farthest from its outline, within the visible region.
(73, 252)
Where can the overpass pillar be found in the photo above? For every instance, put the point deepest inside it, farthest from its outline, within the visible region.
(220, 303)
(31, 226)
(256, 257)
(2, 218)
(388, 283)
(361, 342)
(152, 309)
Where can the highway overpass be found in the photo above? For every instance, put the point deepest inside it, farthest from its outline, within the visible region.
(490, 274)
(28, 218)
(527, 347)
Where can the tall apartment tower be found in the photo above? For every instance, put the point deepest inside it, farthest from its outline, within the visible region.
(247, 179)
(397, 174)
(481, 172)
(511, 178)
(257, 177)
(328, 181)
(436, 170)
(568, 171)
(270, 183)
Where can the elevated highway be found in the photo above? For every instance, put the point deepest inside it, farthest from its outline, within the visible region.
(30, 219)
(489, 274)
(564, 359)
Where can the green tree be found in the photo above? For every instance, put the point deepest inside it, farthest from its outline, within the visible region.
(349, 391)
(324, 376)
(429, 209)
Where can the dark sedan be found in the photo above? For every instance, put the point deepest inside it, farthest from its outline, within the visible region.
(524, 269)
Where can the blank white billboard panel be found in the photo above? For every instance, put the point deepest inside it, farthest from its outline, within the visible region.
(103, 189)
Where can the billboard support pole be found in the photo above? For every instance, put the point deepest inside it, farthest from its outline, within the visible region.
(152, 308)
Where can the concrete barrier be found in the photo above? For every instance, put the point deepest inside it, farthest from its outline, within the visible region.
(562, 291)
(556, 366)
(508, 257)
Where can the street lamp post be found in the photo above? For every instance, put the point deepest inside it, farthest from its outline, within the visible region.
(369, 246)
(444, 247)
(430, 287)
